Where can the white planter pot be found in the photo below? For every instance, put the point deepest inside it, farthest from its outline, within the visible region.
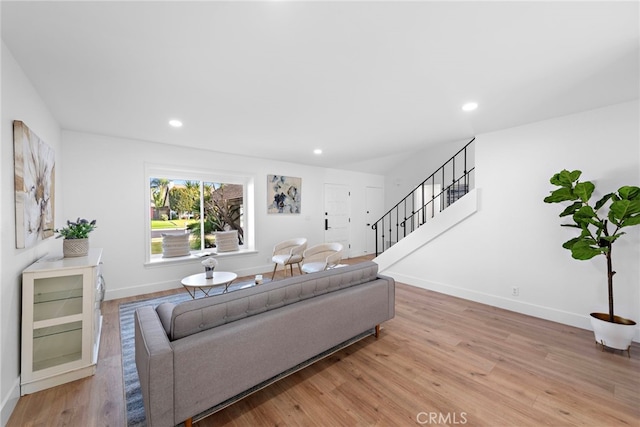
(613, 335)
(75, 247)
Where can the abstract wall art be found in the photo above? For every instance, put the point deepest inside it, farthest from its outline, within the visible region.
(284, 194)
(34, 163)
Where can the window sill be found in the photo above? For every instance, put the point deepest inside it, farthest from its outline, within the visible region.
(159, 261)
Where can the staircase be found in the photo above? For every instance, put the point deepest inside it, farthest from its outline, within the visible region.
(440, 190)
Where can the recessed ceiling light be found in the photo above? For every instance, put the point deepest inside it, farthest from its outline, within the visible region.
(317, 151)
(470, 106)
(175, 123)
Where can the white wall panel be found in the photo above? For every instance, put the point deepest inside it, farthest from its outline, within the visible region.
(109, 185)
(515, 238)
(20, 101)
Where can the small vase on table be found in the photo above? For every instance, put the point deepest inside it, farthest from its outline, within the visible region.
(209, 265)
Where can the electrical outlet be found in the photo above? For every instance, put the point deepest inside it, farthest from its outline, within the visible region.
(515, 291)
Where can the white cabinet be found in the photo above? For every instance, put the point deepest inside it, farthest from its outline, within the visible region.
(61, 320)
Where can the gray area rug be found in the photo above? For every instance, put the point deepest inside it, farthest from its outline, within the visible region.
(133, 395)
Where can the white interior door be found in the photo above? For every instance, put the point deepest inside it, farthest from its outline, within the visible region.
(336, 215)
(374, 205)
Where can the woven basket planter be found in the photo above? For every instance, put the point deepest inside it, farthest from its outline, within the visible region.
(75, 247)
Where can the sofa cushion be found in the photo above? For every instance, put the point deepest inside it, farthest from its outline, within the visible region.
(191, 317)
(164, 311)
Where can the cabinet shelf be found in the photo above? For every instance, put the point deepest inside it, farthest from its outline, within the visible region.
(55, 361)
(55, 330)
(60, 320)
(44, 297)
(56, 309)
(40, 324)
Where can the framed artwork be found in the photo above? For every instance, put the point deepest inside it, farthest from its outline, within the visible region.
(284, 194)
(34, 176)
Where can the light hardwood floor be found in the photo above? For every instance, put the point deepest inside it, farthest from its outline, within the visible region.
(440, 361)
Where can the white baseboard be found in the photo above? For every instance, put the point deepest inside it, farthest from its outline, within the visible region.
(140, 290)
(174, 284)
(581, 321)
(148, 288)
(9, 402)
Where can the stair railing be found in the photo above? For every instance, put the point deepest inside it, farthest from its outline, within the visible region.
(441, 189)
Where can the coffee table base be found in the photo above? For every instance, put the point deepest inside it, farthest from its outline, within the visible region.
(199, 281)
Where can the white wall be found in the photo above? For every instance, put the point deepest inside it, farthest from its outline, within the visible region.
(103, 177)
(411, 171)
(515, 239)
(104, 180)
(20, 101)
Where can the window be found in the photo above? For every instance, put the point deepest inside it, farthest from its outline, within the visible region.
(196, 204)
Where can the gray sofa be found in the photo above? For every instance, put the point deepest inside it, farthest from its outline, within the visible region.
(208, 352)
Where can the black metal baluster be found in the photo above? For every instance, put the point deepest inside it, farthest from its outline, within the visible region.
(452, 192)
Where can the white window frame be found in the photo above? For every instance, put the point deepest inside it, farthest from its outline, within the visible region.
(188, 173)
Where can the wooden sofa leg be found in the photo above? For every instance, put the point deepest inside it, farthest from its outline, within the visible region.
(188, 422)
(377, 331)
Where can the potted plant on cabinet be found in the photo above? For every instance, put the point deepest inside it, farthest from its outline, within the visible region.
(76, 237)
(599, 230)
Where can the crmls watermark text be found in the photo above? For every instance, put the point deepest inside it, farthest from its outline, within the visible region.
(435, 418)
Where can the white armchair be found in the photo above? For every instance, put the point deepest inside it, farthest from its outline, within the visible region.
(321, 257)
(288, 253)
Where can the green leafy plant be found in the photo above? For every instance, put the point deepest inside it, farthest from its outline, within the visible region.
(211, 225)
(599, 227)
(76, 230)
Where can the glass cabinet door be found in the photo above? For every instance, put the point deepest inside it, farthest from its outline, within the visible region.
(57, 312)
(55, 297)
(56, 345)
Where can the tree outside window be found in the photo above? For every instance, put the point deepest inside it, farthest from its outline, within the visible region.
(199, 207)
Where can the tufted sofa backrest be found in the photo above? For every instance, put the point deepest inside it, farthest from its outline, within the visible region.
(191, 317)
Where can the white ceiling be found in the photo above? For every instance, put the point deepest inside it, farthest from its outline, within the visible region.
(368, 82)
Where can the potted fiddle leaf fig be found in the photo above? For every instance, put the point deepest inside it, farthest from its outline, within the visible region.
(599, 225)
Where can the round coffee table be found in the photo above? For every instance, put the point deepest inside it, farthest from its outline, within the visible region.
(199, 281)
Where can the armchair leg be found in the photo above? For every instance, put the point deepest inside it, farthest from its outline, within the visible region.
(188, 422)
(291, 269)
(299, 268)
(377, 331)
(274, 271)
